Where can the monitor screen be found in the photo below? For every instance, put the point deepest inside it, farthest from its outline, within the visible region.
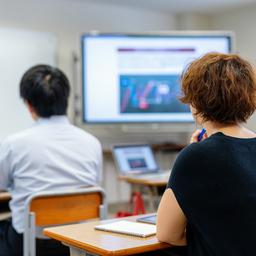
(134, 159)
(136, 78)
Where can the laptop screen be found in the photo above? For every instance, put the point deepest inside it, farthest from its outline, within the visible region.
(135, 159)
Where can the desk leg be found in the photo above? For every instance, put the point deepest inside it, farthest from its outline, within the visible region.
(78, 252)
(153, 198)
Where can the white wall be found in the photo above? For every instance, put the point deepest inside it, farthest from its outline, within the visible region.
(190, 21)
(19, 50)
(68, 19)
(242, 21)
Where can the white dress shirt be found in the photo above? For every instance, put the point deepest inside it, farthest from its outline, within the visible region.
(51, 155)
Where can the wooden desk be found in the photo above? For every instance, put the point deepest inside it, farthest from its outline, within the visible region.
(82, 238)
(5, 215)
(143, 181)
(5, 197)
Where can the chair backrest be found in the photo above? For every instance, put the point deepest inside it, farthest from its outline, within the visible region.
(62, 207)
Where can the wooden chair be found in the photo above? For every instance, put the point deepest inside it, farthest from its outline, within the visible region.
(56, 208)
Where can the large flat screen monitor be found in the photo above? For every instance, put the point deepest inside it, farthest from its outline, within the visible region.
(136, 78)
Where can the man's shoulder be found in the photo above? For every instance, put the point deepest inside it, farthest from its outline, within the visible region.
(11, 142)
(84, 134)
(18, 136)
(32, 135)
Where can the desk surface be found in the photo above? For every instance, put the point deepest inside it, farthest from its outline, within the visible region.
(5, 196)
(85, 237)
(5, 215)
(156, 182)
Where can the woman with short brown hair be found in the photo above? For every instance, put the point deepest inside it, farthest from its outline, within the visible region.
(210, 200)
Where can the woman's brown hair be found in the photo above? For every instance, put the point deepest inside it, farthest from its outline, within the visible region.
(221, 87)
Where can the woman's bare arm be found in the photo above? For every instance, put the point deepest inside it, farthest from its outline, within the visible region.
(171, 221)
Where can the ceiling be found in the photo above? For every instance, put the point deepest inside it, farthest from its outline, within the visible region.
(181, 6)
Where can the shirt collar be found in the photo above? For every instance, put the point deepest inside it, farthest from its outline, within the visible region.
(53, 120)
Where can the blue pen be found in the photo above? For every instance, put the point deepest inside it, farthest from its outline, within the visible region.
(201, 134)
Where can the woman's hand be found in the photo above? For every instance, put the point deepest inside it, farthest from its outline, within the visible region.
(194, 137)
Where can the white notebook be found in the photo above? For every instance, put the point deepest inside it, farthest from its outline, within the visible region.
(129, 228)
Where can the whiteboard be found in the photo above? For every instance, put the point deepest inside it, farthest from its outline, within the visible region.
(20, 50)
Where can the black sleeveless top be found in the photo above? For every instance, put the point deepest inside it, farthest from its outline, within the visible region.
(214, 182)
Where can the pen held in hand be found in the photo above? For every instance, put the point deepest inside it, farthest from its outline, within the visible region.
(201, 134)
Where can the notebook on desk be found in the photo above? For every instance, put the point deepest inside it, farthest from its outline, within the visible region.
(137, 160)
(129, 228)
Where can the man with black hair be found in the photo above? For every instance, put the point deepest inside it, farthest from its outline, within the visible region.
(50, 156)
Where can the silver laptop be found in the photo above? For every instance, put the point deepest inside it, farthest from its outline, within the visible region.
(137, 160)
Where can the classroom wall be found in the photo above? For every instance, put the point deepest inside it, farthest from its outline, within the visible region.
(68, 19)
(19, 50)
(242, 21)
(192, 21)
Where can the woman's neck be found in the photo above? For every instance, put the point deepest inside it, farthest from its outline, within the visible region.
(233, 130)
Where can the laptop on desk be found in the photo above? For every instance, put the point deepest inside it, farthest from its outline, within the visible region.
(138, 160)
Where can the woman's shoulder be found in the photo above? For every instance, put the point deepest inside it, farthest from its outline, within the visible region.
(193, 150)
(188, 157)
(205, 149)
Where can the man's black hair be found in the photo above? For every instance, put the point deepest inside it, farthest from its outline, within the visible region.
(46, 89)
